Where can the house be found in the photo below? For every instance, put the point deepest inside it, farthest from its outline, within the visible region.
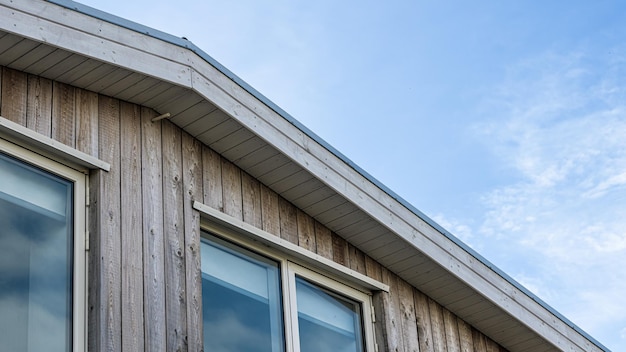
(151, 200)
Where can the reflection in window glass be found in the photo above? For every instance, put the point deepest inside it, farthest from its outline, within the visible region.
(241, 300)
(35, 258)
(327, 322)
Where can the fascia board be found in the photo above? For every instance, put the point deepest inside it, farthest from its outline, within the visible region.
(96, 39)
(177, 62)
(327, 167)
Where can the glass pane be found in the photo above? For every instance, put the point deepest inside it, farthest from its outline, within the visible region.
(35, 258)
(327, 322)
(241, 301)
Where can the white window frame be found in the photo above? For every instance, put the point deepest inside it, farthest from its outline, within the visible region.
(294, 260)
(364, 298)
(79, 255)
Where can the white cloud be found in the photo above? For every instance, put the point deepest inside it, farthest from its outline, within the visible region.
(559, 124)
(457, 228)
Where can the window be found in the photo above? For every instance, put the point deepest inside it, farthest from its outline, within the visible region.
(42, 253)
(259, 301)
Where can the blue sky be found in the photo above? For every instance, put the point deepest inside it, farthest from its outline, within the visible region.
(504, 122)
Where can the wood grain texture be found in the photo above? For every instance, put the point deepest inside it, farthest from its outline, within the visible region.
(288, 221)
(63, 113)
(14, 95)
(392, 325)
(356, 259)
(323, 241)
(251, 192)
(39, 106)
(373, 268)
(192, 185)
(437, 326)
(173, 224)
(87, 122)
(131, 229)
(340, 250)
(153, 232)
(422, 317)
(269, 211)
(492, 346)
(231, 183)
(306, 231)
(212, 179)
(379, 302)
(451, 330)
(110, 231)
(465, 336)
(407, 316)
(478, 341)
(162, 284)
(94, 294)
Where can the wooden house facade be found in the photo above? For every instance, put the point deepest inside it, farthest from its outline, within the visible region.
(181, 176)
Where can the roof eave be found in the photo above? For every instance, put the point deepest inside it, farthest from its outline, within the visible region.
(190, 68)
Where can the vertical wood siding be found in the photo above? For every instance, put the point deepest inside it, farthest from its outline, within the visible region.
(153, 234)
(144, 279)
(131, 223)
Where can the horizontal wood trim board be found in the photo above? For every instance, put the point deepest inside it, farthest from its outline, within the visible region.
(45, 145)
(289, 248)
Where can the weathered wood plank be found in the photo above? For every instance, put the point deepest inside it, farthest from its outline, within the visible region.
(110, 231)
(392, 317)
(356, 259)
(491, 345)
(437, 326)
(407, 317)
(63, 113)
(452, 331)
(173, 222)
(251, 190)
(323, 241)
(380, 301)
(372, 268)
(87, 122)
(306, 231)
(269, 211)
(192, 184)
(131, 229)
(39, 105)
(465, 335)
(212, 179)
(14, 95)
(340, 250)
(422, 317)
(94, 215)
(153, 232)
(478, 340)
(94, 293)
(231, 183)
(288, 221)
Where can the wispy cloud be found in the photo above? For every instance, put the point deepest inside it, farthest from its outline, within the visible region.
(558, 123)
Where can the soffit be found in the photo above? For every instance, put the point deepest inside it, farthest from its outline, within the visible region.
(207, 102)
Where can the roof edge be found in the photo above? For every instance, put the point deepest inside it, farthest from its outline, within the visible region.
(183, 42)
